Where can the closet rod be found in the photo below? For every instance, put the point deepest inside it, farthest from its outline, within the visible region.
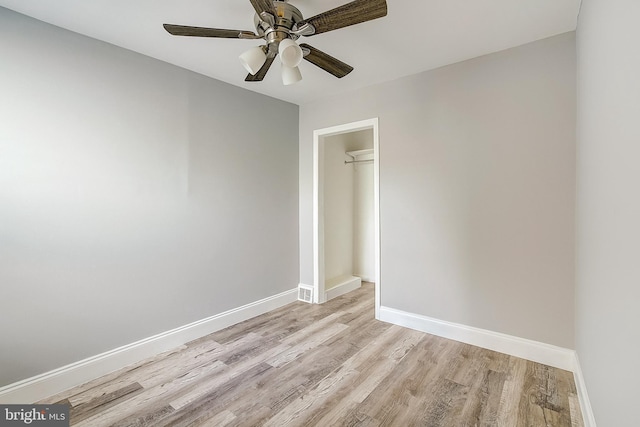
(357, 161)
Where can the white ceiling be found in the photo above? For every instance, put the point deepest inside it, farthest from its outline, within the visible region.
(415, 36)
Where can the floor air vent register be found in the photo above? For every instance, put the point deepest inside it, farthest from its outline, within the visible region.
(305, 293)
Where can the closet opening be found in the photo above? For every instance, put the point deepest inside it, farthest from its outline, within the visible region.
(346, 213)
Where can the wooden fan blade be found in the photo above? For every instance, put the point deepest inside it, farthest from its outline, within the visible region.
(326, 62)
(183, 30)
(257, 77)
(356, 12)
(263, 6)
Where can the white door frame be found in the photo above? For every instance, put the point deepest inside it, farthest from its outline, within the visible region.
(318, 205)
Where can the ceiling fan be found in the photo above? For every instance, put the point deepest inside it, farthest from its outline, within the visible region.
(280, 24)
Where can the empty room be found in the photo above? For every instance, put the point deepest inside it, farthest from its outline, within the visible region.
(319, 213)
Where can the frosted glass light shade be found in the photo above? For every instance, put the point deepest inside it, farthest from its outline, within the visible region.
(290, 75)
(253, 59)
(290, 53)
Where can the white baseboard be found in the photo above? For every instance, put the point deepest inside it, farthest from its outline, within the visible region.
(53, 382)
(583, 397)
(341, 286)
(366, 278)
(547, 354)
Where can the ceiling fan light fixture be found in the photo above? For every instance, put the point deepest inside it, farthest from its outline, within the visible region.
(280, 24)
(290, 53)
(290, 75)
(253, 59)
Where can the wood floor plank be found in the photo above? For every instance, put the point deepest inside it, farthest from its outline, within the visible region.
(204, 388)
(370, 376)
(256, 325)
(254, 418)
(512, 394)
(311, 342)
(216, 400)
(343, 403)
(298, 412)
(313, 329)
(222, 419)
(389, 402)
(576, 412)
(283, 386)
(481, 407)
(155, 372)
(101, 383)
(327, 365)
(150, 397)
(89, 408)
(141, 419)
(359, 333)
(446, 406)
(308, 406)
(531, 410)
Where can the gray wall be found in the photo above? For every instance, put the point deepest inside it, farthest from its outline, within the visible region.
(608, 207)
(135, 197)
(477, 189)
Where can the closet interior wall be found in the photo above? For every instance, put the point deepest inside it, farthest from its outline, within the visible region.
(348, 210)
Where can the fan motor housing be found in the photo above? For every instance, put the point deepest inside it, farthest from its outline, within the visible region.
(286, 17)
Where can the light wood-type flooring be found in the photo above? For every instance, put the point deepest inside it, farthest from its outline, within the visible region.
(327, 365)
